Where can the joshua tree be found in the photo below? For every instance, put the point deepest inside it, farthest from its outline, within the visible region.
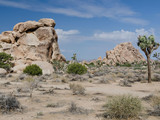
(157, 55)
(74, 58)
(147, 45)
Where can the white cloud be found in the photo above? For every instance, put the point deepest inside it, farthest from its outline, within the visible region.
(122, 35)
(14, 4)
(114, 36)
(66, 35)
(135, 21)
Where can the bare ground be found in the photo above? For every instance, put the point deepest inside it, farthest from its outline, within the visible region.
(60, 96)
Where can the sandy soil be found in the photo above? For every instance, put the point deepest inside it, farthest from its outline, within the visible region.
(58, 93)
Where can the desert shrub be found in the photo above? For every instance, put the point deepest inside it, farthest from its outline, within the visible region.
(76, 68)
(57, 65)
(99, 63)
(9, 103)
(77, 89)
(5, 61)
(90, 65)
(126, 64)
(74, 109)
(33, 70)
(123, 107)
(156, 106)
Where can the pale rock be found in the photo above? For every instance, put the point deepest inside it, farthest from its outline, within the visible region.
(26, 26)
(31, 41)
(19, 68)
(100, 58)
(124, 52)
(28, 39)
(46, 67)
(47, 22)
(3, 71)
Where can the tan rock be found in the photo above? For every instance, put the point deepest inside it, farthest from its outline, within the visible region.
(47, 22)
(100, 58)
(32, 41)
(3, 71)
(124, 52)
(28, 26)
(28, 39)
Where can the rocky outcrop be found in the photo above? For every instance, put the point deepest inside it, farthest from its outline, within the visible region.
(32, 41)
(122, 53)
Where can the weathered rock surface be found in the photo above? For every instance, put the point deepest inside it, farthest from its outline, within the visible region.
(32, 41)
(122, 53)
(46, 67)
(2, 71)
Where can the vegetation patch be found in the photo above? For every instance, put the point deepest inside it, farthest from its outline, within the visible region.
(124, 64)
(77, 89)
(58, 65)
(9, 103)
(76, 68)
(123, 107)
(5, 61)
(33, 70)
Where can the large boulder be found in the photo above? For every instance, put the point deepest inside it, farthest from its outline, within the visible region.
(2, 72)
(122, 53)
(47, 22)
(27, 26)
(32, 41)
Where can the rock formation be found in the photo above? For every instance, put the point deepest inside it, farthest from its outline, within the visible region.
(122, 53)
(32, 41)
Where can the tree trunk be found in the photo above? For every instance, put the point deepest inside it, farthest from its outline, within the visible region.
(149, 69)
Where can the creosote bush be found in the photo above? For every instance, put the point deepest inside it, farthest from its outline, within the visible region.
(5, 61)
(123, 107)
(77, 89)
(33, 70)
(76, 68)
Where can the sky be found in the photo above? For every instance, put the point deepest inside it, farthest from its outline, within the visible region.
(88, 28)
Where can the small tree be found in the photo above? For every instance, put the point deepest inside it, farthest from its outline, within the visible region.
(74, 58)
(157, 55)
(5, 61)
(148, 45)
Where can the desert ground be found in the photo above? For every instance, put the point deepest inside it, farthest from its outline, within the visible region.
(52, 97)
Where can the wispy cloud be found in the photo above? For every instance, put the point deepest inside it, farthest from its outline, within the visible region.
(84, 9)
(14, 4)
(67, 35)
(114, 36)
(137, 21)
(122, 35)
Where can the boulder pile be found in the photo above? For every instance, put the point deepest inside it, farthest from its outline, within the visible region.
(123, 53)
(31, 41)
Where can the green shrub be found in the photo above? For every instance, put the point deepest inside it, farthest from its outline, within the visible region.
(76, 68)
(33, 70)
(5, 61)
(90, 65)
(126, 64)
(123, 107)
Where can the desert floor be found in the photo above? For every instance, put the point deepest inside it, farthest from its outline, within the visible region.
(54, 90)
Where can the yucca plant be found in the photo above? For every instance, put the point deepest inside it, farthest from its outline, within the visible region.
(148, 45)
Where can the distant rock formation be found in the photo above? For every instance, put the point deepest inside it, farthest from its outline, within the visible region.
(122, 53)
(32, 41)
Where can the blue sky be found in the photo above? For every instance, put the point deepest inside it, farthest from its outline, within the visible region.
(88, 27)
